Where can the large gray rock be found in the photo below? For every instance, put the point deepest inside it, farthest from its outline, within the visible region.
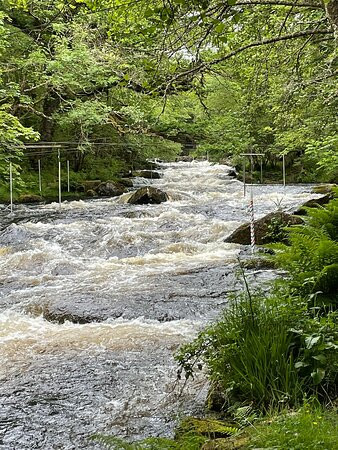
(314, 203)
(147, 195)
(110, 189)
(262, 227)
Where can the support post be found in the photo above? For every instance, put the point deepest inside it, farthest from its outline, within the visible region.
(208, 156)
(261, 170)
(40, 184)
(68, 183)
(244, 185)
(252, 222)
(11, 185)
(252, 165)
(284, 177)
(59, 161)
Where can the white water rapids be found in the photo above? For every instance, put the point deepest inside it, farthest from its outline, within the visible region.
(96, 298)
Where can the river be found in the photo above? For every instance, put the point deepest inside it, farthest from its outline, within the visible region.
(96, 297)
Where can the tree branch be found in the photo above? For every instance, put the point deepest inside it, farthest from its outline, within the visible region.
(294, 3)
(204, 66)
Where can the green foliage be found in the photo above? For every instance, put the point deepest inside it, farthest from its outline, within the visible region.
(309, 428)
(186, 442)
(249, 353)
(312, 254)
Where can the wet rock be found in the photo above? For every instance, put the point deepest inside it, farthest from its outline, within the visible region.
(242, 234)
(314, 203)
(30, 198)
(149, 174)
(324, 188)
(110, 189)
(185, 158)
(127, 182)
(211, 428)
(147, 195)
(91, 193)
(232, 173)
(91, 184)
(259, 263)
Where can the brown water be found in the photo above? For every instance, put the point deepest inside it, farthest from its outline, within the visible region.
(96, 298)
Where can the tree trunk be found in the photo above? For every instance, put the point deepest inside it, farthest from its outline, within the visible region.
(331, 9)
(50, 105)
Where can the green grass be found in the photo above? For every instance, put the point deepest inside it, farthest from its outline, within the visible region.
(307, 429)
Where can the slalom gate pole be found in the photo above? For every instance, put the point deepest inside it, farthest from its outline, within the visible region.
(252, 222)
(11, 185)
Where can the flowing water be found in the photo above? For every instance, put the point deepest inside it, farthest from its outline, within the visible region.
(96, 297)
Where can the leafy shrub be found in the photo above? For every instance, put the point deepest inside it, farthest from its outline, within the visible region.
(250, 353)
(312, 256)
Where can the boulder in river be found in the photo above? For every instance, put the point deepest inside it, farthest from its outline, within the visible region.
(262, 228)
(324, 188)
(150, 174)
(110, 189)
(147, 195)
(314, 203)
(91, 184)
(30, 198)
(232, 173)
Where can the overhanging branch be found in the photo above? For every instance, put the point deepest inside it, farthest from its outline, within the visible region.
(207, 65)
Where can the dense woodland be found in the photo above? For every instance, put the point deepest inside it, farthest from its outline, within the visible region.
(117, 82)
(154, 79)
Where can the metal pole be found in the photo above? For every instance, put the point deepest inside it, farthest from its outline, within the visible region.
(252, 223)
(251, 161)
(59, 160)
(68, 184)
(284, 177)
(244, 176)
(11, 185)
(261, 170)
(40, 184)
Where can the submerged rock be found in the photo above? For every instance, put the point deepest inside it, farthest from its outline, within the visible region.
(262, 227)
(147, 195)
(110, 189)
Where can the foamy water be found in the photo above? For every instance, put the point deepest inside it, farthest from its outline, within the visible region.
(95, 299)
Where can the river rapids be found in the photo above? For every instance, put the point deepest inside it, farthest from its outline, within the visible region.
(96, 298)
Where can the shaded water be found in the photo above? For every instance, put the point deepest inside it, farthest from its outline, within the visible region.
(95, 299)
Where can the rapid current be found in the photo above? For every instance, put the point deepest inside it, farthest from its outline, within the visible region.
(96, 297)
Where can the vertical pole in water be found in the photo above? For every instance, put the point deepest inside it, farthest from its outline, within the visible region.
(284, 177)
(40, 184)
(208, 156)
(11, 185)
(68, 184)
(252, 222)
(59, 160)
(244, 176)
(261, 170)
